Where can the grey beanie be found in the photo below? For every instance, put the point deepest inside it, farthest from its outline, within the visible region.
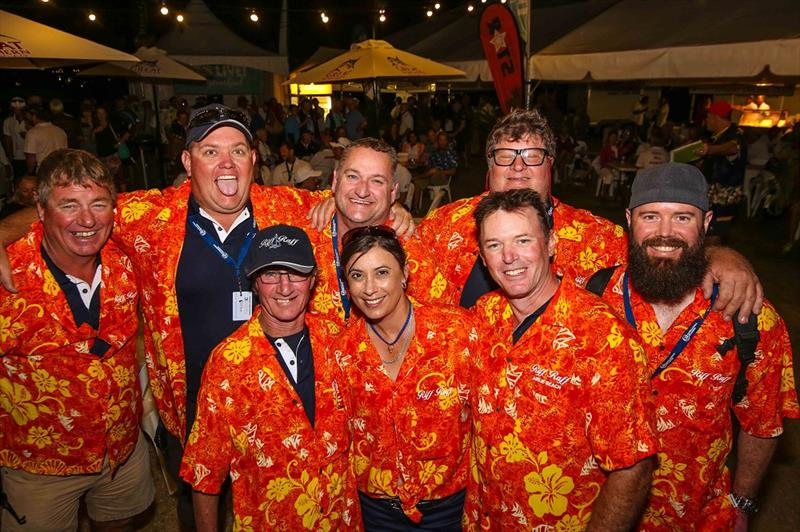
(670, 183)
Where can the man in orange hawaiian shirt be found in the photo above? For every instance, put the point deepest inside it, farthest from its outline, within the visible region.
(520, 152)
(562, 427)
(271, 413)
(694, 375)
(69, 394)
(364, 189)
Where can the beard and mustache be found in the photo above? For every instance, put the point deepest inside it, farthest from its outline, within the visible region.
(666, 281)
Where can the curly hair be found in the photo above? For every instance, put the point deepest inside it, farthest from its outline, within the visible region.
(520, 123)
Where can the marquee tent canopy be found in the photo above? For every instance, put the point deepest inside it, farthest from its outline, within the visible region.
(28, 44)
(679, 39)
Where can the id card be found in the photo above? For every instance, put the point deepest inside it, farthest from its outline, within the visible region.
(242, 306)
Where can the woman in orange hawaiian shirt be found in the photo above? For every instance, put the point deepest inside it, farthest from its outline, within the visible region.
(405, 365)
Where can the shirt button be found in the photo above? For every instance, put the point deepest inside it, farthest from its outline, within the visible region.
(85, 291)
(655, 392)
(219, 229)
(291, 362)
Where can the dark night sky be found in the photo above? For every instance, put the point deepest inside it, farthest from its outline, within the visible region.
(120, 21)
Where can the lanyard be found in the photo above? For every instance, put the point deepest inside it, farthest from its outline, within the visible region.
(289, 170)
(224, 255)
(339, 270)
(685, 338)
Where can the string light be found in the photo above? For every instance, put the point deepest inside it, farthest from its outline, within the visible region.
(92, 16)
(179, 17)
(382, 16)
(45, 1)
(429, 13)
(164, 9)
(254, 16)
(324, 17)
(437, 5)
(470, 8)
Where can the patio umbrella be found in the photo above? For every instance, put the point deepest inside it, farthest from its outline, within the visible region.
(154, 66)
(28, 44)
(375, 60)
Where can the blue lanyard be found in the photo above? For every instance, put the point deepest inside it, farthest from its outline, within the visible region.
(685, 338)
(224, 255)
(339, 270)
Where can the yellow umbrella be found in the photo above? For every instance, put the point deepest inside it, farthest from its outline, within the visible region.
(28, 44)
(155, 65)
(374, 60)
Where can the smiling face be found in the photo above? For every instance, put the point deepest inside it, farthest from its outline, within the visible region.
(220, 168)
(77, 222)
(375, 280)
(284, 303)
(363, 189)
(518, 175)
(666, 230)
(517, 253)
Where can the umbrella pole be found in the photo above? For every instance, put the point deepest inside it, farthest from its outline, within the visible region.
(159, 156)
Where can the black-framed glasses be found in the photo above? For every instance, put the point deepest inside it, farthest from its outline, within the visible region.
(369, 230)
(218, 114)
(530, 156)
(274, 276)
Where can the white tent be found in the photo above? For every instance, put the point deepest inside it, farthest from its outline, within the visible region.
(679, 39)
(28, 44)
(204, 40)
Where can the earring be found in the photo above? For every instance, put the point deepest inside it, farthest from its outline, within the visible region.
(404, 284)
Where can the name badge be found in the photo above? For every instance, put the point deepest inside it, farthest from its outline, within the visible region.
(242, 306)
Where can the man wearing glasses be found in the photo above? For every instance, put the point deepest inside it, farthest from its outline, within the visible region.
(287, 459)
(520, 152)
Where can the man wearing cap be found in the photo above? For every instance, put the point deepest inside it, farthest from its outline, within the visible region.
(270, 412)
(328, 158)
(520, 152)
(693, 366)
(724, 163)
(14, 130)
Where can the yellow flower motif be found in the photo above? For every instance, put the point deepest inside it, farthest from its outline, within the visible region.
(164, 215)
(133, 211)
(5, 328)
(719, 447)
(236, 351)
(449, 399)
(122, 375)
(460, 212)
(787, 379)
(548, 491)
(44, 382)
(278, 489)
(323, 302)
(50, 285)
(40, 436)
(614, 338)
(308, 503)
(767, 318)
(655, 516)
(588, 259)
(95, 370)
(618, 231)
(513, 449)
(171, 306)
(360, 464)
(651, 333)
(14, 399)
(430, 469)
(242, 524)
(639, 355)
(333, 328)
(381, 480)
(507, 312)
(335, 484)
(437, 286)
(570, 523)
(569, 233)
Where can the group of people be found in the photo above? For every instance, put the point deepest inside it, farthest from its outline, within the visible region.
(337, 368)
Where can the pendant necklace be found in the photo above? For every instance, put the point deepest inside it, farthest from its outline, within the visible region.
(390, 345)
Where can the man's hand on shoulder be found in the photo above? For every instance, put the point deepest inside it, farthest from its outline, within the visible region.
(401, 221)
(739, 287)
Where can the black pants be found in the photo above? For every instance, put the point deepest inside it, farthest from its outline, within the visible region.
(386, 515)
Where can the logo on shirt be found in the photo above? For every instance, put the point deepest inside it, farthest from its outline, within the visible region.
(549, 377)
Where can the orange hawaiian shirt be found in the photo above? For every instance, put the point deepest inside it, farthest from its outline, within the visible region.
(411, 436)
(62, 408)
(586, 243)
(326, 300)
(553, 413)
(693, 401)
(285, 474)
(150, 227)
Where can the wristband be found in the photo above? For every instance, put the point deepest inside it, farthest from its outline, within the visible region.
(743, 504)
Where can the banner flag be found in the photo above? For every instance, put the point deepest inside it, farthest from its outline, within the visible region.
(501, 45)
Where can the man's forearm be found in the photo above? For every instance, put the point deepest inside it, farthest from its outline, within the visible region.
(15, 226)
(206, 508)
(621, 500)
(752, 460)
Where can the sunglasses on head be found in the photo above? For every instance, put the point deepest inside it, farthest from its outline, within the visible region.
(216, 115)
(369, 230)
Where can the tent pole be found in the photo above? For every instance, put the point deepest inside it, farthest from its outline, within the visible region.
(159, 157)
(691, 107)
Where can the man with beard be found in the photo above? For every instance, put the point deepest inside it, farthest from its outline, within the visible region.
(693, 374)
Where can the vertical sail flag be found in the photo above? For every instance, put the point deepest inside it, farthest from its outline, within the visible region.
(501, 45)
